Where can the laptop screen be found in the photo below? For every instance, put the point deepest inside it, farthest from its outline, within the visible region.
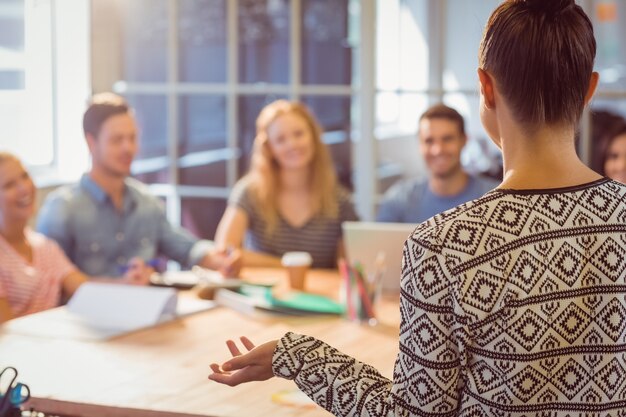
(369, 242)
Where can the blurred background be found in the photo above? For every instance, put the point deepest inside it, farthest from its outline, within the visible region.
(198, 71)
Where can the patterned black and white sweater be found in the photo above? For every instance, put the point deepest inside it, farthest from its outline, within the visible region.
(511, 305)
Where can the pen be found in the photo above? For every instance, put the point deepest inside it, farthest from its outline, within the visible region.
(155, 263)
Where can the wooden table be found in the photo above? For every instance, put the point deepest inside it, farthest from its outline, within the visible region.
(163, 370)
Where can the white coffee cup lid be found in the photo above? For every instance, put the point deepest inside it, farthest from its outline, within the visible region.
(297, 259)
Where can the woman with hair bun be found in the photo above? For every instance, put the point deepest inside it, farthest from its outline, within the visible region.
(513, 304)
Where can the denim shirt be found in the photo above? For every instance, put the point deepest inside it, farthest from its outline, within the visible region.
(100, 239)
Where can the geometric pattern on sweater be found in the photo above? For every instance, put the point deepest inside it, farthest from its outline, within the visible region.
(511, 305)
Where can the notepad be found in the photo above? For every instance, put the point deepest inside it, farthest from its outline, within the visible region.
(309, 303)
(253, 297)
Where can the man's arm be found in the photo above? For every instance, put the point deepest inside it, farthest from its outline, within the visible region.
(181, 246)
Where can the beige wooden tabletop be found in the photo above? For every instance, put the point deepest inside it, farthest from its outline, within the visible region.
(164, 369)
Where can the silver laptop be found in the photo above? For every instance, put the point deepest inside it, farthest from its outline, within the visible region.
(370, 243)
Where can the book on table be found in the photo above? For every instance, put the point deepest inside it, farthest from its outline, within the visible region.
(250, 298)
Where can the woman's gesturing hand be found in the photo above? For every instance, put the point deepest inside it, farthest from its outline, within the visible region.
(255, 365)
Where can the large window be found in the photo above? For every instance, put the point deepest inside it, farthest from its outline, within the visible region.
(44, 84)
(198, 72)
(428, 52)
(26, 80)
(609, 19)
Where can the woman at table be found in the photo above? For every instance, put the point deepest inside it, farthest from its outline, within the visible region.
(35, 274)
(290, 199)
(609, 145)
(512, 304)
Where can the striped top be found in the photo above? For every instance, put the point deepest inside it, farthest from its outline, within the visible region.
(511, 305)
(36, 286)
(319, 236)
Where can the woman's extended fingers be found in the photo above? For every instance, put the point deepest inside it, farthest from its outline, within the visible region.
(232, 347)
(246, 342)
(216, 368)
(235, 378)
(254, 365)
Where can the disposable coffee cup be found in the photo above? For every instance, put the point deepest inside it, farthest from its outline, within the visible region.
(297, 265)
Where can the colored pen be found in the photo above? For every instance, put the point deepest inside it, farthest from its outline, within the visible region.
(155, 263)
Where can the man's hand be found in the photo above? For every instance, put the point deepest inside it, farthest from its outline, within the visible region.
(227, 261)
(138, 272)
(255, 365)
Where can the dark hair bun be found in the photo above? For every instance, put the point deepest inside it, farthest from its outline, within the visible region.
(550, 7)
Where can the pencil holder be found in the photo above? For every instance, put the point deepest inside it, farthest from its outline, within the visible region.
(359, 293)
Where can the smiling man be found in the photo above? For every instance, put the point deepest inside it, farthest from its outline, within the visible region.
(441, 139)
(109, 218)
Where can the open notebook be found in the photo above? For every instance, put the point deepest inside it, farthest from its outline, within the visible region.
(370, 244)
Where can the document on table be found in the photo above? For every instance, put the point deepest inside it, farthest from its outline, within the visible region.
(100, 311)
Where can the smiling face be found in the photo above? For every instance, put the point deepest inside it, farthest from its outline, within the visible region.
(615, 163)
(290, 140)
(17, 192)
(115, 146)
(441, 143)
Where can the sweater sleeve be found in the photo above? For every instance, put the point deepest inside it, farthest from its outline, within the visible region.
(426, 378)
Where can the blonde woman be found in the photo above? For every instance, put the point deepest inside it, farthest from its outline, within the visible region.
(290, 199)
(35, 274)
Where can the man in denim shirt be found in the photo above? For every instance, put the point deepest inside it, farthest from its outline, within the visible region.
(441, 139)
(109, 218)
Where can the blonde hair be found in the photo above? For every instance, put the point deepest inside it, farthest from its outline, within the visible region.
(6, 156)
(263, 175)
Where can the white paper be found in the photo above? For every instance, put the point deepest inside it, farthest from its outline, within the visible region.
(58, 323)
(182, 278)
(97, 315)
(123, 307)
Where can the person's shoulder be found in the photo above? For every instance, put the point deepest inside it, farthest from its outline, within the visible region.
(141, 192)
(410, 183)
(244, 184)
(241, 191)
(615, 186)
(484, 182)
(447, 229)
(65, 193)
(40, 241)
(63, 199)
(343, 193)
(406, 186)
(138, 187)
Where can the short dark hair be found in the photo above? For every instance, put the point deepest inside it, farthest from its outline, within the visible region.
(101, 107)
(441, 111)
(541, 54)
(605, 127)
